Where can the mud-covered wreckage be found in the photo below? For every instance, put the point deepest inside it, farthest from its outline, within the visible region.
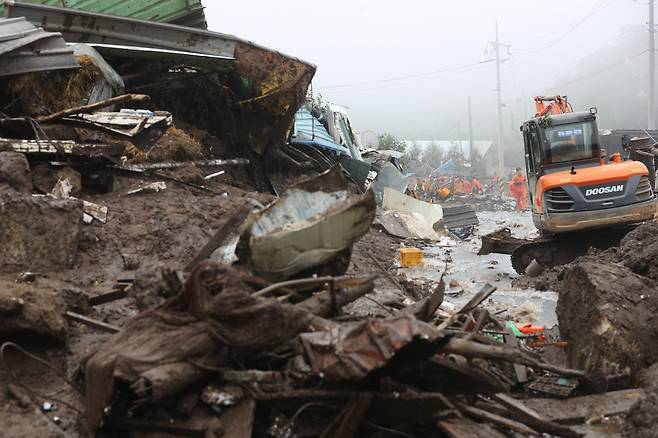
(161, 275)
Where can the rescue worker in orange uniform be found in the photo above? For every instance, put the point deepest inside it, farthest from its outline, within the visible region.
(477, 185)
(518, 189)
(468, 187)
(458, 187)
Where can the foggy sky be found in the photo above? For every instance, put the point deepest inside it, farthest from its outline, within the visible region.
(366, 43)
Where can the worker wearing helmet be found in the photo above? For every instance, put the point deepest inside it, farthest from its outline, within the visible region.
(518, 189)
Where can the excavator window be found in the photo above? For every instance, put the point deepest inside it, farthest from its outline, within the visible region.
(534, 145)
(570, 142)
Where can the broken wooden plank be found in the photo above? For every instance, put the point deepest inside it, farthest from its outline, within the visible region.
(108, 297)
(179, 164)
(346, 424)
(579, 409)
(520, 370)
(100, 325)
(477, 299)
(467, 348)
(92, 107)
(237, 421)
(497, 419)
(97, 150)
(220, 235)
(533, 418)
(465, 427)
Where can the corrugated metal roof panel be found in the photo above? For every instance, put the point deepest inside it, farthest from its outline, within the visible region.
(25, 48)
(183, 12)
(308, 130)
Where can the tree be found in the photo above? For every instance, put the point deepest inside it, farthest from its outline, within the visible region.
(390, 142)
(433, 156)
(412, 160)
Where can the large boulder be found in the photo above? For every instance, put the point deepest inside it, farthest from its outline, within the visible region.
(607, 316)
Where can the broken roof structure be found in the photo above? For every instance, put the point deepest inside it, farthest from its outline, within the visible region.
(181, 12)
(25, 48)
(245, 94)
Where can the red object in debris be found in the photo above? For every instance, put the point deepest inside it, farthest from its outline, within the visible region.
(530, 329)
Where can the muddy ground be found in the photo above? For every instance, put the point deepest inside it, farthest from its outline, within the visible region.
(167, 228)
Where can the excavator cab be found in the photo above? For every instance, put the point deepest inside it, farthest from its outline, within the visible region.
(571, 187)
(560, 143)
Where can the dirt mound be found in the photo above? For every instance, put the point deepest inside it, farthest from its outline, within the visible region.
(174, 145)
(51, 91)
(639, 250)
(607, 316)
(38, 234)
(641, 419)
(15, 171)
(26, 309)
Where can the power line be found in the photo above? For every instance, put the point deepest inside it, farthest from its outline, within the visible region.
(395, 85)
(598, 7)
(401, 78)
(587, 76)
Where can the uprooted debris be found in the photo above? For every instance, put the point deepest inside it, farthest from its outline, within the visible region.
(206, 336)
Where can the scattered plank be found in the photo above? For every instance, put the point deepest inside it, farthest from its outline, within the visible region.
(498, 420)
(533, 418)
(100, 325)
(124, 98)
(346, 423)
(108, 297)
(578, 409)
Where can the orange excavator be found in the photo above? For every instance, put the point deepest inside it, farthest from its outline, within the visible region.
(574, 188)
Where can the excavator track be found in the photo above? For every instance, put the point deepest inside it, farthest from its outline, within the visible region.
(551, 250)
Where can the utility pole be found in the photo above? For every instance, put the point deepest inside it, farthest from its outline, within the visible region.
(652, 69)
(470, 133)
(496, 48)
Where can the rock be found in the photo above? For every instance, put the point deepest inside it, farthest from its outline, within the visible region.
(44, 178)
(15, 171)
(38, 234)
(28, 310)
(607, 316)
(454, 283)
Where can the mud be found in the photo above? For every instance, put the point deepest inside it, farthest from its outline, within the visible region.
(45, 176)
(174, 145)
(607, 316)
(38, 234)
(31, 311)
(641, 419)
(639, 250)
(15, 171)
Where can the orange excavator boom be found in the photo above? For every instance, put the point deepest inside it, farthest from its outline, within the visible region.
(552, 105)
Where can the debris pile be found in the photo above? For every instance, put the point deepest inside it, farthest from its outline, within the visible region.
(184, 285)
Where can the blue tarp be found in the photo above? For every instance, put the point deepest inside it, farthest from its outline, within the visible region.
(447, 167)
(309, 131)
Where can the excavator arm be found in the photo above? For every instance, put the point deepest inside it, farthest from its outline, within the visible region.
(552, 105)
